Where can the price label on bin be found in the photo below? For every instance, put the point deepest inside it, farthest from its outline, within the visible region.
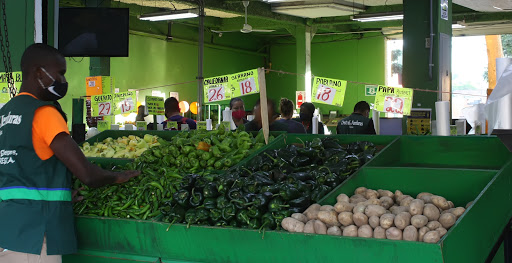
(101, 105)
(394, 100)
(125, 102)
(244, 83)
(216, 88)
(329, 91)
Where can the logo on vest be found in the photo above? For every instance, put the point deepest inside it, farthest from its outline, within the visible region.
(5, 156)
(352, 123)
(10, 119)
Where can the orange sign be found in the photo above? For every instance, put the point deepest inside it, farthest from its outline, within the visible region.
(93, 86)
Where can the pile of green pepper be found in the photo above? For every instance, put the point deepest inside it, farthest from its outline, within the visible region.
(269, 188)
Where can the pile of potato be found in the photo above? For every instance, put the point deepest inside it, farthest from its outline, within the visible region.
(379, 214)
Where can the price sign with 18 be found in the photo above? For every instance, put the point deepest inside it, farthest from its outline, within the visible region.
(216, 93)
(325, 93)
(247, 86)
(104, 108)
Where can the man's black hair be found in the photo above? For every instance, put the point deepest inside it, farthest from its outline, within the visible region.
(310, 107)
(172, 105)
(233, 101)
(361, 107)
(38, 55)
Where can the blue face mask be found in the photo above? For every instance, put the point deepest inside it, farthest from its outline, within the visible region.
(54, 92)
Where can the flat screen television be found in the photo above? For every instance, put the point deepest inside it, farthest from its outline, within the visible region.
(93, 32)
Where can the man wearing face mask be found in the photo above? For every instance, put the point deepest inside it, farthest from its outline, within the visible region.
(307, 110)
(38, 159)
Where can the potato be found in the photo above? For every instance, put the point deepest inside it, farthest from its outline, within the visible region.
(330, 218)
(360, 219)
(410, 233)
(310, 227)
(433, 225)
(313, 207)
(422, 194)
(292, 225)
(419, 221)
(440, 202)
(402, 220)
(394, 233)
(431, 237)
(302, 218)
(426, 198)
(374, 210)
(398, 196)
(448, 211)
(342, 198)
(371, 194)
(320, 227)
(374, 221)
(355, 199)
(379, 232)
(442, 231)
(327, 208)
(422, 232)
(450, 203)
(458, 211)
(386, 193)
(365, 231)
(359, 208)
(350, 231)
(334, 231)
(398, 209)
(343, 207)
(447, 220)
(312, 214)
(406, 200)
(372, 201)
(386, 202)
(469, 204)
(416, 207)
(387, 220)
(345, 218)
(431, 212)
(360, 191)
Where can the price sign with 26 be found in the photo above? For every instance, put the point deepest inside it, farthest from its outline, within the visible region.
(216, 94)
(325, 94)
(394, 105)
(104, 108)
(247, 86)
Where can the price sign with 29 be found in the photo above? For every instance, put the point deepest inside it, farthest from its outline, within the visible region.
(216, 94)
(247, 86)
(325, 94)
(105, 108)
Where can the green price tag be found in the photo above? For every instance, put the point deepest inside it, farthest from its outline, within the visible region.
(124, 102)
(155, 105)
(394, 100)
(227, 125)
(103, 125)
(172, 125)
(244, 83)
(216, 89)
(141, 125)
(453, 130)
(101, 105)
(201, 125)
(328, 91)
(4, 89)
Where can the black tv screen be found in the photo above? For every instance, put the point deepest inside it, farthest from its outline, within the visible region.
(94, 32)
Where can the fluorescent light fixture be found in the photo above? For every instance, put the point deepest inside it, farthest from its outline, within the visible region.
(170, 15)
(459, 25)
(378, 17)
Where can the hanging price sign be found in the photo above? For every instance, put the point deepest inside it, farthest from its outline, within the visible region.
(244, 83)
(155, 105)
(201, 125)
(103, 125)
(329, 91)
(125, 102)
(394, 100)
(101, 105)
(215, 89)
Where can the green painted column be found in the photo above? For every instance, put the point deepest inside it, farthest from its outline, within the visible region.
(416, 55)
(303, 37)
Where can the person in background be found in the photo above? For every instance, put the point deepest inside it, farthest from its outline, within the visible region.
(172, 113)
(256, 124)
(238, 111)
(286, 109)
(307, 109)
(140, 113)
(39, 159)
(358, 122)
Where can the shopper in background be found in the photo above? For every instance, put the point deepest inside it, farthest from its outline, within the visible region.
(307, 109)
(358, 122)
(238, 111)
(256, 124)
(172, 113)
(286, 109)
(39, 159)
(140, 113)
